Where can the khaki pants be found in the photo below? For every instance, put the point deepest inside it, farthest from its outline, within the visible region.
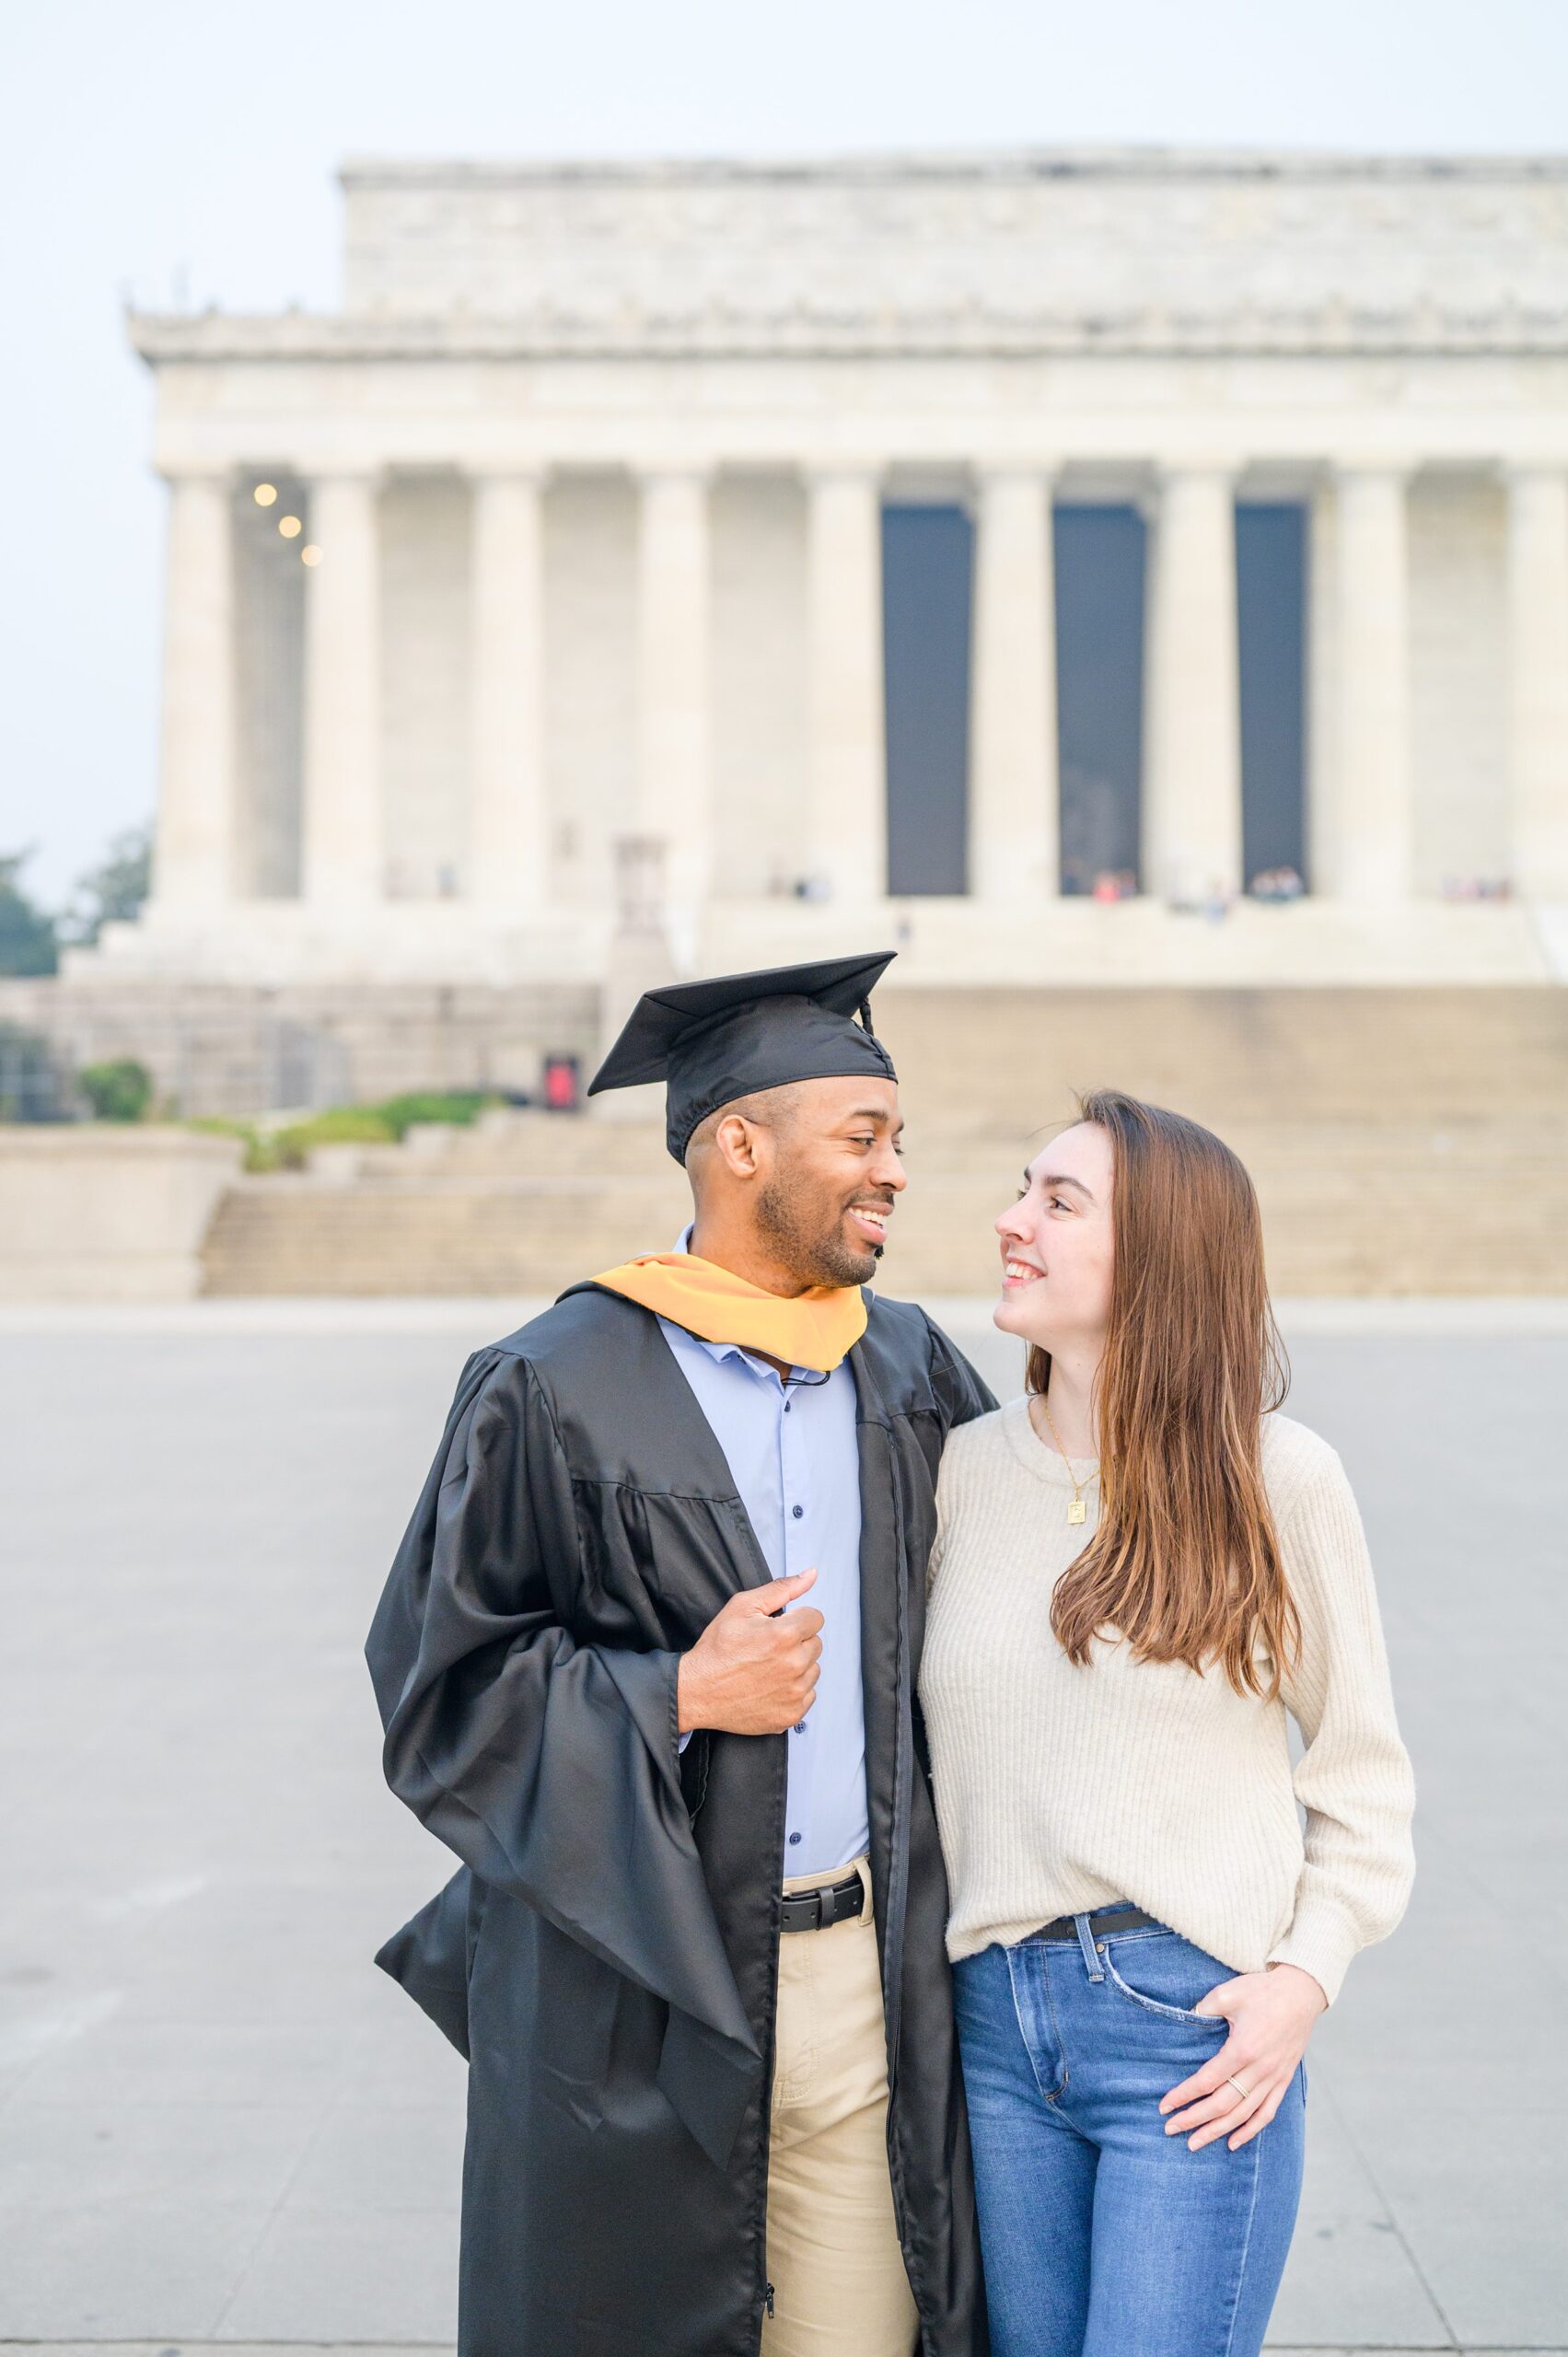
(840, 2286)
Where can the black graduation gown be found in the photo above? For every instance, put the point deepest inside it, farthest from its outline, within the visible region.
(607, 1956)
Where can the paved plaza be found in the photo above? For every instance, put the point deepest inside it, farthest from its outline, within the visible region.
(218, 2123)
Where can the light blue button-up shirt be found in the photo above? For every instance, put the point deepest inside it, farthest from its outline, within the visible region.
(793, 1452)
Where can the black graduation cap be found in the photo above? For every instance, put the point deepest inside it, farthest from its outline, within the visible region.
(734, 1034)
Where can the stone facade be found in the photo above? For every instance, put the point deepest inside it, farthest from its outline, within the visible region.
(589, 470)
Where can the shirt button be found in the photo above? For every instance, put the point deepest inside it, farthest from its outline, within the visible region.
(788, 1405)
(797, 1511)
(793, 1838)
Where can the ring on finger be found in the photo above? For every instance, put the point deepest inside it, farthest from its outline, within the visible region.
(1241, 2091)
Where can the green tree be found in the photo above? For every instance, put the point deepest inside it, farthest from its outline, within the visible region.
(120, 1091)
(29, 943)
(114, 892)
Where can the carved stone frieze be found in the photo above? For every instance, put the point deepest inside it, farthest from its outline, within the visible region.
(814, 325)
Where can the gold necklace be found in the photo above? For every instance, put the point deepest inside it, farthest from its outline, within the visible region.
(1078, 1511)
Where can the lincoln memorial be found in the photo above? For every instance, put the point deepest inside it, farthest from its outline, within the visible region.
(1073, 565)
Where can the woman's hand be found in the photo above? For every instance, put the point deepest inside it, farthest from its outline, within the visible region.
(1270, 2015)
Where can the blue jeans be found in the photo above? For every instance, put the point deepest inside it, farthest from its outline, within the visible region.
(1102, 2236)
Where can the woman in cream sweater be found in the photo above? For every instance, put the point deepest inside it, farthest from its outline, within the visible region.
(1141, 1569)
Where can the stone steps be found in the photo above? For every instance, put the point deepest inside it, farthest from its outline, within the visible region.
(546, 1148)
(990, 1059)
(1402, 1142)
(1344, 1212)
(990, 1062)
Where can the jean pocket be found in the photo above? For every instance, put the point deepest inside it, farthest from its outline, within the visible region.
(1174, 1977)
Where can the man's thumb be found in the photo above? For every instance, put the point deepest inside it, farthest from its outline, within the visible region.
(778, 1593)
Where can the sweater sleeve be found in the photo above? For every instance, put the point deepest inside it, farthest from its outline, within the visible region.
(1354, 1780)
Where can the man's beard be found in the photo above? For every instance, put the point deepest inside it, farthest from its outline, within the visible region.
(818, 1255)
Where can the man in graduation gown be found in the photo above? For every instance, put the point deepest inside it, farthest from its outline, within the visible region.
(646, 1662)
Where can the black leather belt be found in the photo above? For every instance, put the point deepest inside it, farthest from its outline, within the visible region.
(1109, 1919)
(813, 1910)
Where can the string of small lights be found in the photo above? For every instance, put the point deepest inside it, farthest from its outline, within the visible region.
(291, 526)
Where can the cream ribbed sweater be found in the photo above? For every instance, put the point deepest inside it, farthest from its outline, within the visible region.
(1060, 1789)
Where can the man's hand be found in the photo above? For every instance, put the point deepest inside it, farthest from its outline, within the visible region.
(1270, 2015)
(754, 1669)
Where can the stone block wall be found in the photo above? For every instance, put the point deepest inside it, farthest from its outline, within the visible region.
(760, 749)
(426, 636)
(214, 1048)
(589, 667)
(1458, 656)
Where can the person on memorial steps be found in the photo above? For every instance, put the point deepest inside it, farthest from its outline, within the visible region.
(646, 1662)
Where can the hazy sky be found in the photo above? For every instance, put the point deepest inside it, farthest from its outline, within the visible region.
(183, 151)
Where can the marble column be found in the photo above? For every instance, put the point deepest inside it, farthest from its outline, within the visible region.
(1014, 813)
(343, 845)
(1322, 687)
(674, 663)
(508, 840)
(193, 853)
(1192, 819)
(1538, 680)
(1371, 858)
(845, 846)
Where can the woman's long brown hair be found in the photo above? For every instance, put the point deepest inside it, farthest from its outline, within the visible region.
(1184, 1564)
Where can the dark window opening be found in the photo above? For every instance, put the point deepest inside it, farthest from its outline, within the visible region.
(1100, 555)
(927, 583)
(1271, 589)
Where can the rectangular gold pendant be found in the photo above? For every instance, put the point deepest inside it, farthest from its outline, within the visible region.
(1078, 1511)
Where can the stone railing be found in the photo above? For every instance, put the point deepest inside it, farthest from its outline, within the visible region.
(101, 1213)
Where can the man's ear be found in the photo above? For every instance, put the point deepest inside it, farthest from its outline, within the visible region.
(735, 1141)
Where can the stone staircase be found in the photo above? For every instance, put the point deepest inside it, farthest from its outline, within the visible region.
(1401, 1142)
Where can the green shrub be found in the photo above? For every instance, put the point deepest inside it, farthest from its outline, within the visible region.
(257, 1144)
(286, 1147)
(458, 1105)
(120, 1090)
(339, 1125)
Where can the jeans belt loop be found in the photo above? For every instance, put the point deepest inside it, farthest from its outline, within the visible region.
(1092, 1963)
